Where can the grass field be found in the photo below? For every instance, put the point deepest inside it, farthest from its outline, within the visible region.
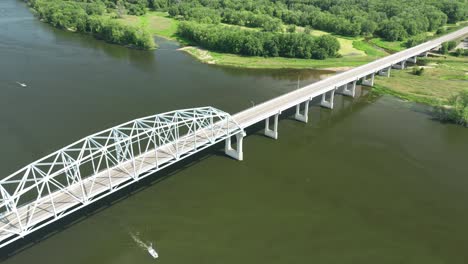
(347, 47)
(159, 23)
(442, 79)
(391, 46)
(277, 62)
(368, 48)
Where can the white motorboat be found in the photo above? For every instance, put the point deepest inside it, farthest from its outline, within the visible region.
(22, 84)
(152, 251)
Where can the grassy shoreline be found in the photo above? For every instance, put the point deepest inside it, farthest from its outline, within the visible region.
(232, 60)
(443, 86)
(443, 78)
(355, 51)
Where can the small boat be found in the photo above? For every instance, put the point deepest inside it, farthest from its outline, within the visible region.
(22, 84)
(152, 252)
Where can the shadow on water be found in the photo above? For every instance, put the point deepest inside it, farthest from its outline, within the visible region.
(142, 59)
(344, 106)
(76, 217)
(278, 74)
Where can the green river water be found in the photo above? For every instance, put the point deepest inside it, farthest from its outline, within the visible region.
(376, 180)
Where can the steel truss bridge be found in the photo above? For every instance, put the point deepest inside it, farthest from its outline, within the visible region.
(98, 165)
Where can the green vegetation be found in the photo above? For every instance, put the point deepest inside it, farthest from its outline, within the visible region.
(94, 18)
(442, 86)
(418, 71)
(256, 43)
(157, 23)
(368, 48)
(389, 19)
(391, 46)
(233, 60)
(388, 26)
(458, 112)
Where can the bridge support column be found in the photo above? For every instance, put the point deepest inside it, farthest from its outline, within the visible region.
(437, 48)
(302, 117)
(329, 103)
(424, 54)
(413, 59)
(238, 153)
(271, 133)
(369, 82)
(350, 89)
(400, 65)
(385, 72)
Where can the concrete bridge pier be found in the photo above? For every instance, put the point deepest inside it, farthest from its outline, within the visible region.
(238, 153)
(385, 72)
(302, 117)
(413, 59)
(328, 103)
(350, 89)
(368, 82)
(437, 48)
(400, 65)
(272, 133)
(424, 54)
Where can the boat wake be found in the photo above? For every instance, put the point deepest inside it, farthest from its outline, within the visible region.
(143, 245)
(138, 241)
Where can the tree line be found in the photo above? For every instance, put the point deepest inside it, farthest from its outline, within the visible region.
(390, 19)
(258, 43)
(89, 17)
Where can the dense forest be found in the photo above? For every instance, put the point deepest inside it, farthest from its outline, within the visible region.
(258, 43)
(95, 17)
(273, 21)
(389, 19)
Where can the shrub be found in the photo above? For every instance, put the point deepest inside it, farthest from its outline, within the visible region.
(444, 49)
(459, 52)
(418, 71)
(291, 29)
(421, 61)
(451, 45)
(458, 110)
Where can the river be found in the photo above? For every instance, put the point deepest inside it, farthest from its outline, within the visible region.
(376, 180)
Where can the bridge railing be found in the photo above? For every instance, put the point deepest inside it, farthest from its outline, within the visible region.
(80, 172)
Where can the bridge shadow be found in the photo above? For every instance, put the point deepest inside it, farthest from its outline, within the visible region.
(56, 227)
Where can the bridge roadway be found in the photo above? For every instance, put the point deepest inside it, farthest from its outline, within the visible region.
(18, 219)
(276, 105)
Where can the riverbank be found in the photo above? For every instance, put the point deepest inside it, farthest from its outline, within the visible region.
(354, 51)
(252, 62)
(442, 85)
(443, 78)
(94, 18)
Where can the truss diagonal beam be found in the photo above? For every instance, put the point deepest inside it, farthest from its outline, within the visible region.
(91, 168)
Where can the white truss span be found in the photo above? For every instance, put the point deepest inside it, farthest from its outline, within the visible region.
(91, 168)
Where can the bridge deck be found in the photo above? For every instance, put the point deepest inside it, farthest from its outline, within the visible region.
(262, 111)
(94, 186)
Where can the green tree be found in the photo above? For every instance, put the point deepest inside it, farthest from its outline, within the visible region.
(451, 45)
(392, 30)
